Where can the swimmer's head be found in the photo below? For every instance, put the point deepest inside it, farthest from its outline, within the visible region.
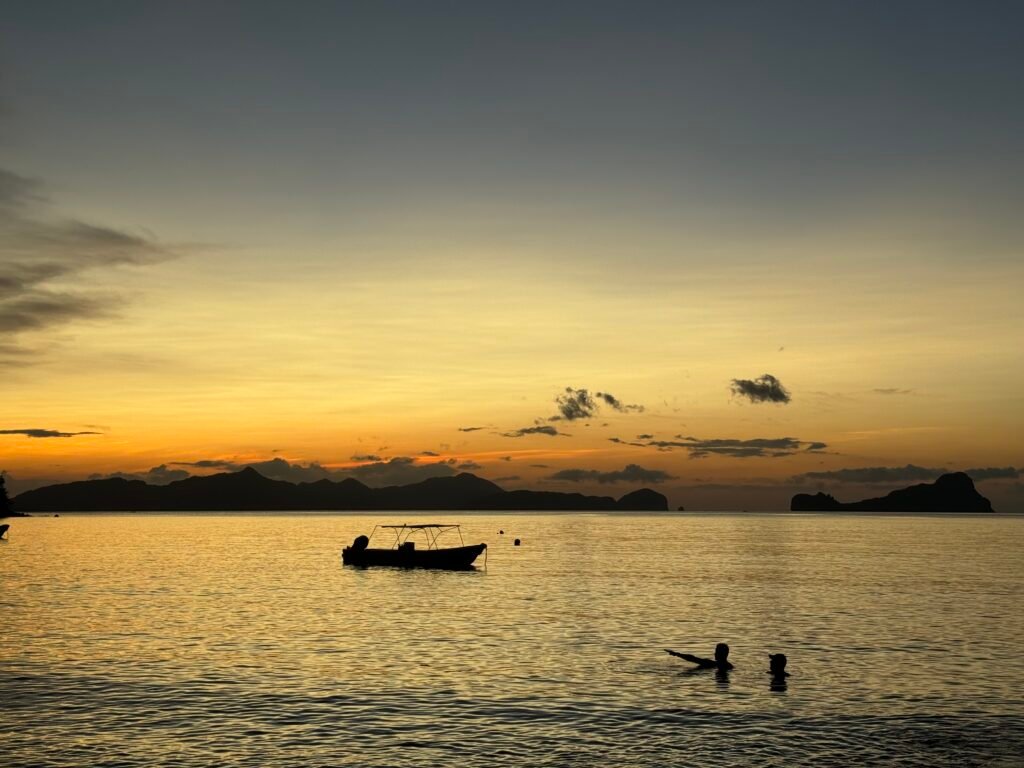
(721, 652)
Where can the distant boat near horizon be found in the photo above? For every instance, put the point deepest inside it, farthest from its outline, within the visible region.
(404, 554)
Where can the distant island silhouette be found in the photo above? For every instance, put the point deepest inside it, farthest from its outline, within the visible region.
(248, 490)
(954, 492)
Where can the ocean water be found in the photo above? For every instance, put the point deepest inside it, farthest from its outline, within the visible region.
(241, 640)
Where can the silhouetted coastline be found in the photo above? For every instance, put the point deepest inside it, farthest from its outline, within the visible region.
(248, 490)
(954, 492)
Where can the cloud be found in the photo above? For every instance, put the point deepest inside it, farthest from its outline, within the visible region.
(366, 457)
(892, 391)
(34, 432)
(38, 309)
(620, 441)
(400, 470)
(38, 249)
(541, 430)
(469, 466)
(631, 473)
(618, 405)
(210, 464)
(909, 473)
(506, 478)
(506, 458)
(766, 389)
(760, 447)
(429, 453)
(994, 473)
(281, 469)
(161, 475)
(541, 466)
(470, 429)
(645, 437)
(875, 475)
(576, 404)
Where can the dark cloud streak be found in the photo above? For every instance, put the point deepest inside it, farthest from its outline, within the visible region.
(760, 447)
(910, 473)
(37, 248)
(574, 404)
(539, 430)
(40, 433)
(765, 389)
(631, 473)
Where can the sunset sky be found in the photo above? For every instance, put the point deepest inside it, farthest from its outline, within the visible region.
(381, 239)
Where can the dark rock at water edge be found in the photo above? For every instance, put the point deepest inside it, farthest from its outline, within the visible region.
(643, 500)
(954, 492)
(248, 490)
(5, 504)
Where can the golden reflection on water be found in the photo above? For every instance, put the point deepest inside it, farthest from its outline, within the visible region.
(201, 639)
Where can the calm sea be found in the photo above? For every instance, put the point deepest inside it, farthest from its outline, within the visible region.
(216, 640)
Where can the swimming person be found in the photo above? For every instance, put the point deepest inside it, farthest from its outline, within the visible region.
(720, 662)
(777, 669)
(777, 665)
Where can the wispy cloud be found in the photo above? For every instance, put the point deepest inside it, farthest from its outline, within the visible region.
(160, 475)
(575, 404)
(399, 470)
(620, 441)
(994, 473)
(39, 250)
(764, 389)
(539, 430)
(35, 432)
(759, 447)
(631, 473)
(618, 405)
(471, 429)
(892, 391)
(909, 473)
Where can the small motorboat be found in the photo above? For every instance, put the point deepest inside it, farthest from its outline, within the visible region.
(405, 554)
(3, 529)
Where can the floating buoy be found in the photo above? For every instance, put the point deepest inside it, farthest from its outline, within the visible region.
(501, 532)
(516, 542)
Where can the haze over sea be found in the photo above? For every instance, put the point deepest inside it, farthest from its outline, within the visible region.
(201, 640)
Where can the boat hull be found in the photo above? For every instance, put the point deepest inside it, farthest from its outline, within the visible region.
(449, 559)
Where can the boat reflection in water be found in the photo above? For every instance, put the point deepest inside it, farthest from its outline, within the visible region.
(404, 553)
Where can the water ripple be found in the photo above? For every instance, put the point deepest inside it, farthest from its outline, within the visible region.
(196, 641)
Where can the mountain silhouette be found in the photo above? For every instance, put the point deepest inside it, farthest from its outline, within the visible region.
(954, 492)
(248, 490)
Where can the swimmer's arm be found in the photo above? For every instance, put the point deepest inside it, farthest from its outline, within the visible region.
(692, 659)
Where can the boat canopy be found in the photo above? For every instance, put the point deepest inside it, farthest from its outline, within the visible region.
(431, 531)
